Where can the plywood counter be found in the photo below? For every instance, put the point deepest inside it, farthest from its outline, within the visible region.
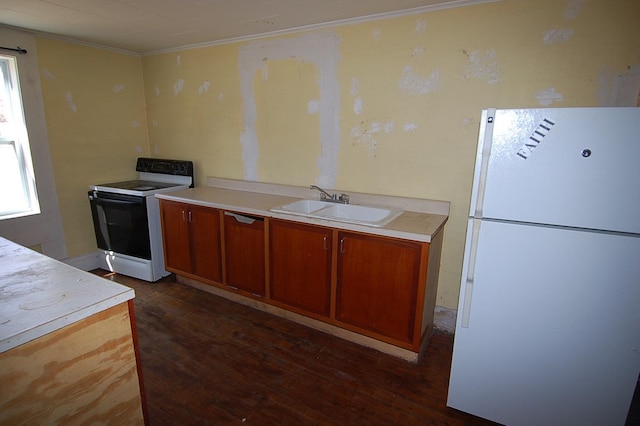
(67, 344)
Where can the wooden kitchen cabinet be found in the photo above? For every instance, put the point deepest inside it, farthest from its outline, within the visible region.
(244, 245)
(300, 273)
(191, 239)
(377, 284)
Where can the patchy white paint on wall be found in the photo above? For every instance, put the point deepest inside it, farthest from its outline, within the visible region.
(619, 88)
(421, 26)
(178, 86)
(118, 88)
(376, 34)
(320, 49)
(135, 124)
(366, 133)
(483, 66)
(466, 121)
(557, 35)
(357, 105)
(221, 97)
(156, 149)
(409, 127)
(70, 103)
(413, 83)
(178, 60)
(417, 51)
(137, 148)
(154, 123)
(355, 86)
(313, 106)
(548, 96)
(204, 87)
(156, 90)
(48, 75)
(574, 8)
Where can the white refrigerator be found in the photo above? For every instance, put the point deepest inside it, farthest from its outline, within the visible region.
(548, 327)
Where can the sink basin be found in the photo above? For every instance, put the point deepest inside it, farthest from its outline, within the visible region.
(350, 213)
(303, 206)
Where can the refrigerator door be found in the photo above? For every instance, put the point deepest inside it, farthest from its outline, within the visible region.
(577, 167)
(552, 333)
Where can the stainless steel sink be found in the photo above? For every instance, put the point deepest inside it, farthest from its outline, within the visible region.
(350, 213)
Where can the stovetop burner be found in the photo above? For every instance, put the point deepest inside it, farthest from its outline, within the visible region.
(140, 185)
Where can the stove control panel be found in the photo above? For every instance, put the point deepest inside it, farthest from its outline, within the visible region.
(167, 167)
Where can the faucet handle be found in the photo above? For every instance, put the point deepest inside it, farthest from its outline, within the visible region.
(344, 198)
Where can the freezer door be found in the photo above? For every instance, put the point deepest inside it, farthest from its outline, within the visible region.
(552, 328)
(577, 167)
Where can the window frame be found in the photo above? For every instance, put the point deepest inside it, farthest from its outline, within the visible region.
(16, 135)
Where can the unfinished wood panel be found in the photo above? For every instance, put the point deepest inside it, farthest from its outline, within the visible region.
(84, 373)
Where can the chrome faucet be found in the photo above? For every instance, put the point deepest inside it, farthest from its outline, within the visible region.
(334, 198)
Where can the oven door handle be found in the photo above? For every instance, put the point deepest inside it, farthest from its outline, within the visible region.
(102, 201)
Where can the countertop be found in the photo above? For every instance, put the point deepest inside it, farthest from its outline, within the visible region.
(39, 295)
(258, 199)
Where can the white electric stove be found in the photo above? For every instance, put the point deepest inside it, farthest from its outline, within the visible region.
(126, 217)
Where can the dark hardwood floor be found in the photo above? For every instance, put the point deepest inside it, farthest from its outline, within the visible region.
(207, 360)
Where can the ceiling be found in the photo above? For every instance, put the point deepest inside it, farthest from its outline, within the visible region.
(145, 26)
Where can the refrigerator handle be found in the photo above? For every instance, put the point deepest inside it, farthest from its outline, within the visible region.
(471, 266)
(483, 162)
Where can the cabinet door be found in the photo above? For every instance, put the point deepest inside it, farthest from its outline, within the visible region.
(244, 252)
(175, 236)
(301, 266)
(205, 242)
(378, 284)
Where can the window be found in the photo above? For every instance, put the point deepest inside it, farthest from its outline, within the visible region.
(18, 195)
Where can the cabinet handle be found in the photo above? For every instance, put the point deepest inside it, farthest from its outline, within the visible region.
(342, 245)
(190, 216)
(184, 216)
(324, 243)
(249, 220)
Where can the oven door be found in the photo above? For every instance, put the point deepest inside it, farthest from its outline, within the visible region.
(120, 223)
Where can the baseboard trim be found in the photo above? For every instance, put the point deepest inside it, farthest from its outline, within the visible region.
(86, 262)
(445, 319)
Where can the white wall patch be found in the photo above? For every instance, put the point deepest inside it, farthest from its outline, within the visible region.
(204, 87)
(137, 148)
(48, 75)
(135, 124)
(178, 60)
(357, 105)
(118, 88)
(619, 88)
(548, 96)
(70, 103)
(574, 8)
(320, 49)
(413, 83)
(220, 97)
(421, 26)
(557, 35)
(313, 106)
(178, 86)
(376, 34)
(417, 51)
(483, 66)
(156, 90)
(409, 127)
(355, 86)
(154, 123)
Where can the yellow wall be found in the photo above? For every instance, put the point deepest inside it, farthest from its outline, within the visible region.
(389, 106)
(96, 121)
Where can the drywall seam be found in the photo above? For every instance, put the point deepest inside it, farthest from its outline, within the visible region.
(320, 49)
